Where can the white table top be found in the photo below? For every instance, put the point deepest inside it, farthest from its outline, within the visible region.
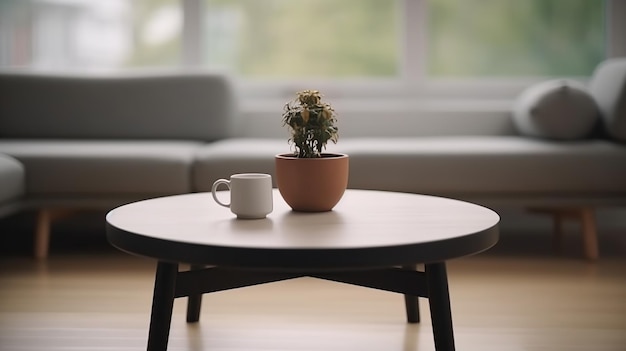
(366, 229)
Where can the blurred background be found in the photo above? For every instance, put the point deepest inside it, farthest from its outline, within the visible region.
(286, 39)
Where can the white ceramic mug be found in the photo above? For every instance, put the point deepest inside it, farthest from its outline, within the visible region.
(250, 194)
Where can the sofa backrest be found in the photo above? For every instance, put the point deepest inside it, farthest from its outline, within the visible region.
(147, 105)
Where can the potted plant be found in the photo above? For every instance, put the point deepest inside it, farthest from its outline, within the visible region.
(309, 179)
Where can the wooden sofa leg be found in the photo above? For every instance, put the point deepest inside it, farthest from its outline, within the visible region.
(42, 234)
(586, 217)
(589, 233)
(42, 230)
(557, 233)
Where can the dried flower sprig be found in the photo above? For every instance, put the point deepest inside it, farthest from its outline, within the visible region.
(311, 123)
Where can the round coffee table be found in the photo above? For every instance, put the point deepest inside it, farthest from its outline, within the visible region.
(372, 238)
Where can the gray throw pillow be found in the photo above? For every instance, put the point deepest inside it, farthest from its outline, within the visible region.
(608, 87)
(556, 109)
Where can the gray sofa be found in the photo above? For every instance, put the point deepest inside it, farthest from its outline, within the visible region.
(88, 141)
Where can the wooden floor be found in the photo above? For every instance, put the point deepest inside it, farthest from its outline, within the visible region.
(518, 296)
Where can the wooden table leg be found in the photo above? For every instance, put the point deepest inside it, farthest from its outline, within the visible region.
(439, 300)
(411, 302)
(194, 302)
(162, 305)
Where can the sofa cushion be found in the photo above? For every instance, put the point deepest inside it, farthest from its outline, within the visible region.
(11, 179)
(177, 105)
(488, 165)
(103, 168)
(608, 87)
(556, 109)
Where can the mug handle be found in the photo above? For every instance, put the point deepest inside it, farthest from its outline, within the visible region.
(214, 188)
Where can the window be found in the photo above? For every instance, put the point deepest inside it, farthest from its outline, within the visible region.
(304, 38)
(382, 45)
(84, 34)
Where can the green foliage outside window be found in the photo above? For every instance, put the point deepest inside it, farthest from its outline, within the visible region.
(515, 37)
(310, 38)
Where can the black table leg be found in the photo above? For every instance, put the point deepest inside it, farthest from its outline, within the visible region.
(162, 304)
(411, 302)
(439, 300)
(194, 302)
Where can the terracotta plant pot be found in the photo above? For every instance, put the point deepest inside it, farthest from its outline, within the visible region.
(312, 184)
